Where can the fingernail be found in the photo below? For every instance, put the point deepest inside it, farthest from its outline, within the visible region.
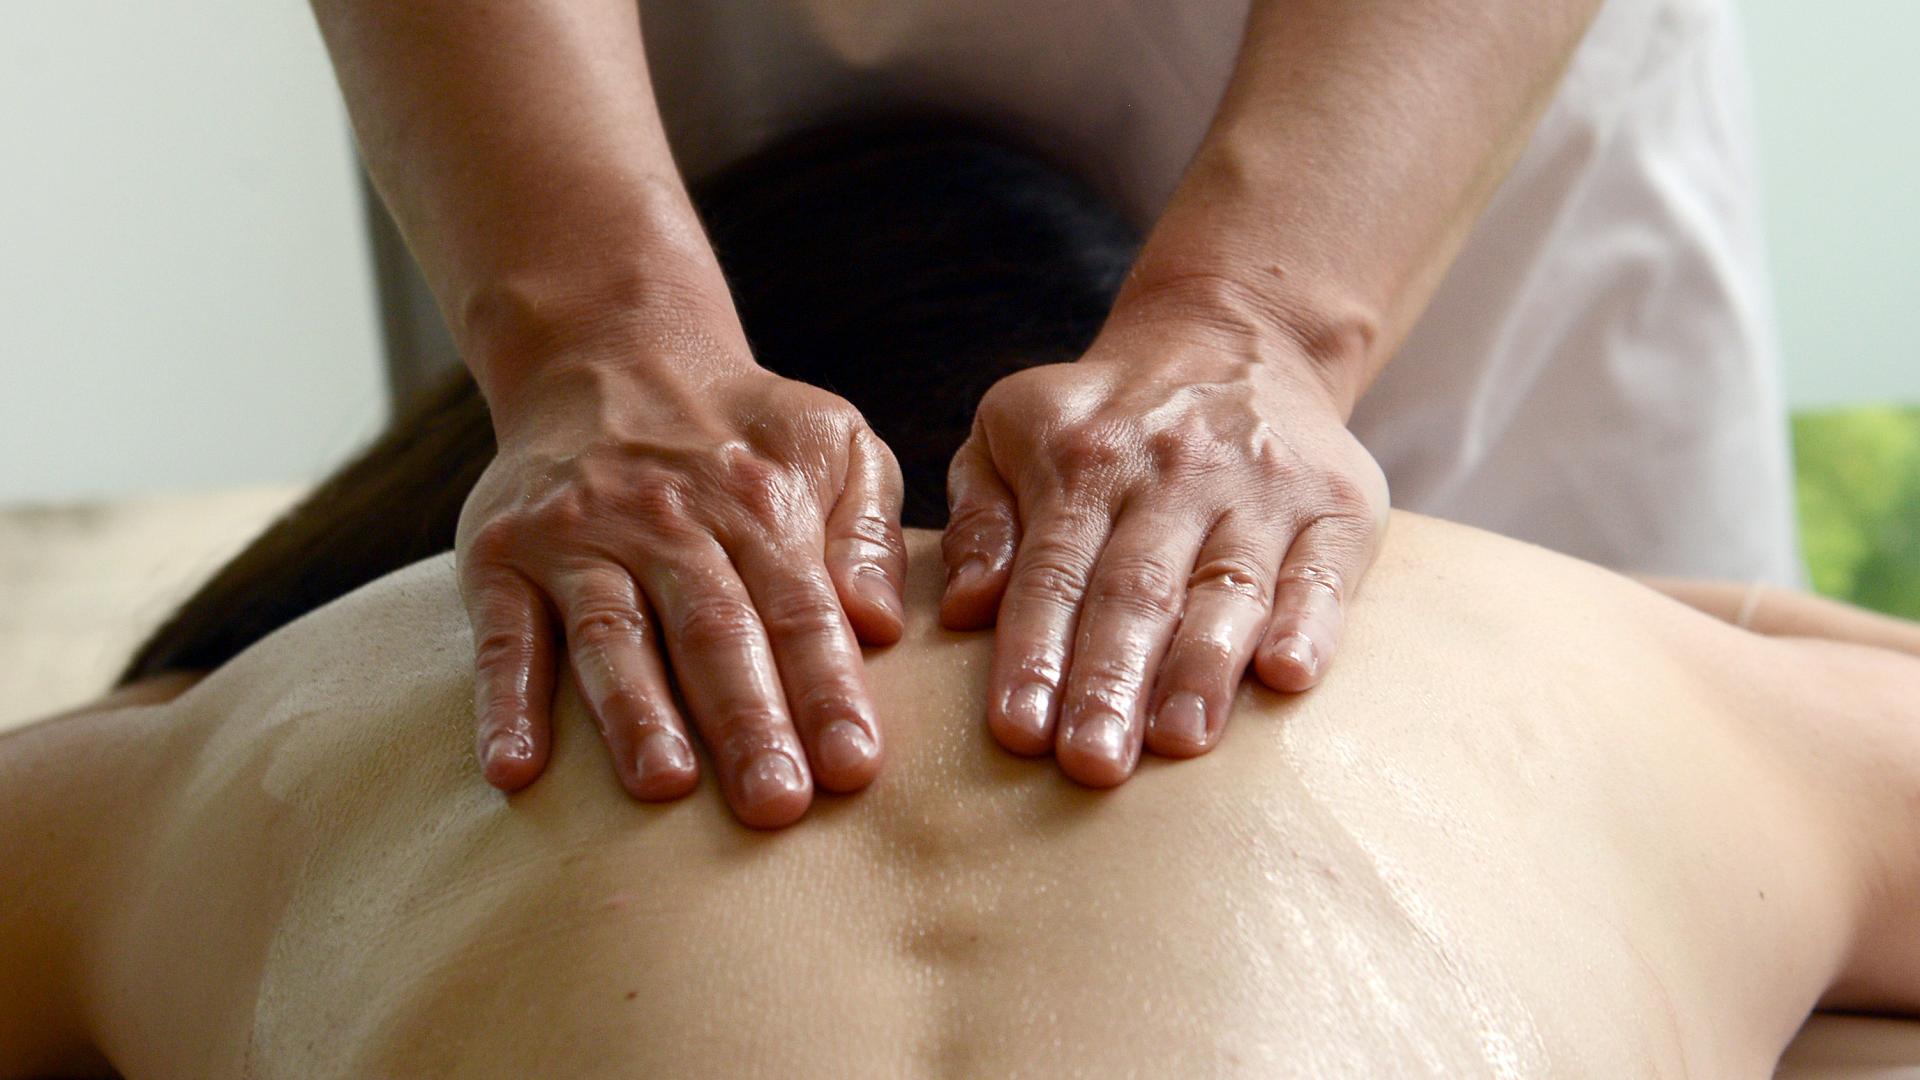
(508, 746)
(1298, 648)
(1183, 718)
(1026, 708)
(1101, 736)
(771, 775)
(967, 574)
(661, 754)
(844, 745)
(873, 587)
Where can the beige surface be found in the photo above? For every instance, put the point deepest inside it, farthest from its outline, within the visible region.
(81, 584)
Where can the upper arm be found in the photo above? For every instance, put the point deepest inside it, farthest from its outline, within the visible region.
(1778, 612)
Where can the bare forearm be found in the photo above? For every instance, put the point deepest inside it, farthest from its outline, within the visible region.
(521, 151)
(1778, 612)
(67, 809)
(1357, 143)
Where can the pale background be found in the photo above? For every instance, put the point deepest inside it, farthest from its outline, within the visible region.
(186, 297)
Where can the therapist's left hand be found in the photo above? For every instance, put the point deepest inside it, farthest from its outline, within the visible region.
(1145, 522)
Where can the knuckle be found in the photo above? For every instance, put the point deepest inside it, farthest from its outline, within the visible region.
(1181, 450)
(566, 513)
(626, 706)
(1346, 498)
(829, 697)
(806, 417)
(1139, 582)
(1109, 682)
(893, 483)
(495, 542)
(1005, 396)
(1202, 652)
(1107, 671)
(977, 524)
(604, 624)
(1314, 575)
(836, 415)
(1274, 459)
(500, 651)
(1053, 576)
(751, 729)
(1089, 451)
(855, 558)
(872, 530)
(800, 608)
(1042, 665)
(1235, 574)
(757, 484)
(659, 496)
(960, 470)
(495, 721)
(716, 622)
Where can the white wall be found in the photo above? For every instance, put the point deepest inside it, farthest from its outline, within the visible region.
(185, 298)
(1837, 91)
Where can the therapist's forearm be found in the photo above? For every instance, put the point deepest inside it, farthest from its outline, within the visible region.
(1357, 142)
(521, 151)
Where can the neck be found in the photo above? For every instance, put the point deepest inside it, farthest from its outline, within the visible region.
(71, 794)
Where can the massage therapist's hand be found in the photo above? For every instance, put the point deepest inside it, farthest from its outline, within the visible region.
(1146, 520)
(740, 529)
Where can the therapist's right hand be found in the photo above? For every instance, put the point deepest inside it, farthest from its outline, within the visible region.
(738, 529)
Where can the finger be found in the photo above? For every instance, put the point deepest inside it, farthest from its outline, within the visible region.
(1229, 601)
(818, 659)
(1036, 622)
(513, 659)
(983, 530)
(1309, 606)
(726, 673)
(865, 552)
(615, 657)
(1133, 602)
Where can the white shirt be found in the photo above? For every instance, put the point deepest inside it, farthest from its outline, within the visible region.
(1597, 373)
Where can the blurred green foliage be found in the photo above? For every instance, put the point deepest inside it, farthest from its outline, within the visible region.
(1858, 478)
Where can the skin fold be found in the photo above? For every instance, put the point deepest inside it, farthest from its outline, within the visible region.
(1541, 821)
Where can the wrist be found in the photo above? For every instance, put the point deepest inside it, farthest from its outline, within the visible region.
(528, 336)
(1330, 343)
(643, 290)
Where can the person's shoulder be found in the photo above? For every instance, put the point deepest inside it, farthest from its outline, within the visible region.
(1463, 564)
(383, 662)
(149, 692)
(389, 621)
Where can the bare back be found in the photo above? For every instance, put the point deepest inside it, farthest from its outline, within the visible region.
(1538, 821)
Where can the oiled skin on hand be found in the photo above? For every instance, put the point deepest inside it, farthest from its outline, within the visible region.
(1537, 822)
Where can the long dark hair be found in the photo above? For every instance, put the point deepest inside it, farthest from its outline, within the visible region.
(904, 263)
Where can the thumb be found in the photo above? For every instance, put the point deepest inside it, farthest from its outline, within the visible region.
(865, 554)
(983, 529)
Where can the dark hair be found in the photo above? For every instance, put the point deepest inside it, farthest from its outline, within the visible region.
(904, 263)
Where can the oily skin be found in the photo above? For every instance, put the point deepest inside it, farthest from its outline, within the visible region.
(661, 503)
(1634, 827)
(744, 530)
(1186, 498)
(1314, 899)
(1137, 535)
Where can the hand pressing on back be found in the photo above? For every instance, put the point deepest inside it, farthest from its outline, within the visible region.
(737, 529)
(1144, 523)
